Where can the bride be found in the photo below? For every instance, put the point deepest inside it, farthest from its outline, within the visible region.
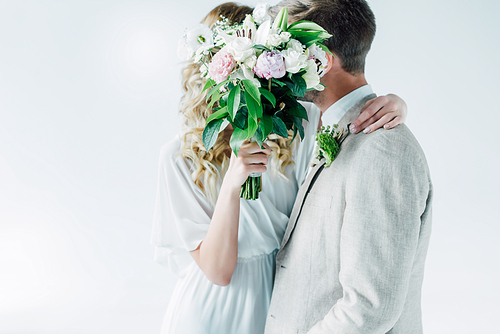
(222, 248)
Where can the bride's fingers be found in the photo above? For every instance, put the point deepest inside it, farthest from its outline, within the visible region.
(396, 121)
(380, 123)
(373, 110)
(255, 159)
(254, 148)
(388, 112)
(367, 104)
(370, 108)
(266, 150)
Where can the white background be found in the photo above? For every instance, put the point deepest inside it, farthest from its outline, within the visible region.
(89, 93)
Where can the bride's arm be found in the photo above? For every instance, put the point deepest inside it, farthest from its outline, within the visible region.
(384, 111)
(218, 252)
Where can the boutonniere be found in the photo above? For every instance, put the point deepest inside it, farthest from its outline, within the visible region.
(328, 142)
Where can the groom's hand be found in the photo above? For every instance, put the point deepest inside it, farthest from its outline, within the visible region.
(383, 111)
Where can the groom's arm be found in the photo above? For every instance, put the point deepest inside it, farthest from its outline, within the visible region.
(386, 195)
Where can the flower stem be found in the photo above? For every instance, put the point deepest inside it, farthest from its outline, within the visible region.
(251, 188)
(270, 84)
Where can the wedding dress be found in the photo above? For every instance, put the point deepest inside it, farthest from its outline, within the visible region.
(181, 220)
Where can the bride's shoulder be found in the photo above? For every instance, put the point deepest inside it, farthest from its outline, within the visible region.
(170, 150)
(169, 154)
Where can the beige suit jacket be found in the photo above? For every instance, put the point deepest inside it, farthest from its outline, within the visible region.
(352, 258)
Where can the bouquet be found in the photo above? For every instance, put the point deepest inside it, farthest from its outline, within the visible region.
(255, 72)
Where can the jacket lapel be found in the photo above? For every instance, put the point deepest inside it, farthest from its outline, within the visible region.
(344, 123)
(299, 201)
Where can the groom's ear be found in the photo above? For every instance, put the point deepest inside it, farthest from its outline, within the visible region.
(331, 61)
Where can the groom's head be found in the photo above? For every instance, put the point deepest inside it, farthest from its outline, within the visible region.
(352, 26)
(350, 22)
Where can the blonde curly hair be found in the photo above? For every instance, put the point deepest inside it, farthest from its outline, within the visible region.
(209, 167)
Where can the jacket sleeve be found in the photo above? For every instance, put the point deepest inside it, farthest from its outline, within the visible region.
(386, 194)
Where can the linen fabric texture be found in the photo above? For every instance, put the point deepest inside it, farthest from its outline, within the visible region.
(352, 257)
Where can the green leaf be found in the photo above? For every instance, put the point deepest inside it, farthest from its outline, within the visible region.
(240, 119)
(307, 38)
(297, 85)
(324, 48)
(266, 125)
(279, 127)
(294, 134)
(310, 42)
(297, 122)
(303, 33)
(281, 20)
(252, 90)
(252, 127)
(300, 85)
(284, 21)
(298, 111)
(208, 84)
(211, 132)
(233, 101)
(306, 25)
(260, 47)
(259, 136)
(278, 83)
(215, 98)
(324, 35)
(223, 101)
(221, 113)
(216, 88)
(268, 95)
(237, 138)
(254, 109)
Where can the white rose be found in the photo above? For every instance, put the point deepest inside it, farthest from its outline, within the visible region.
(294, 61)
(311, 77)
(251, 61)
(241, 48)
(295, 45)
(274, 40)
(260, 14)
(285, 36)
(316, 53)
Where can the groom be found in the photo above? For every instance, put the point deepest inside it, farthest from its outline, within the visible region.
(352, 258)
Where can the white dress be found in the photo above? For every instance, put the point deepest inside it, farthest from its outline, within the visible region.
(181, 220)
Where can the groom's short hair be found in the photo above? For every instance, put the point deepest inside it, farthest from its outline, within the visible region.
(350, 22)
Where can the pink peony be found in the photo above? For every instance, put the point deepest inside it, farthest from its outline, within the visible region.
(270, 64)
(221, 65)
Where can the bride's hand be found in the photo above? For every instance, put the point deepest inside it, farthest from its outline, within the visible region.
(387, 111)
(251, 159)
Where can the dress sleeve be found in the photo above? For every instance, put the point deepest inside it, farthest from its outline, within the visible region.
(182, 212)
(304, 150)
